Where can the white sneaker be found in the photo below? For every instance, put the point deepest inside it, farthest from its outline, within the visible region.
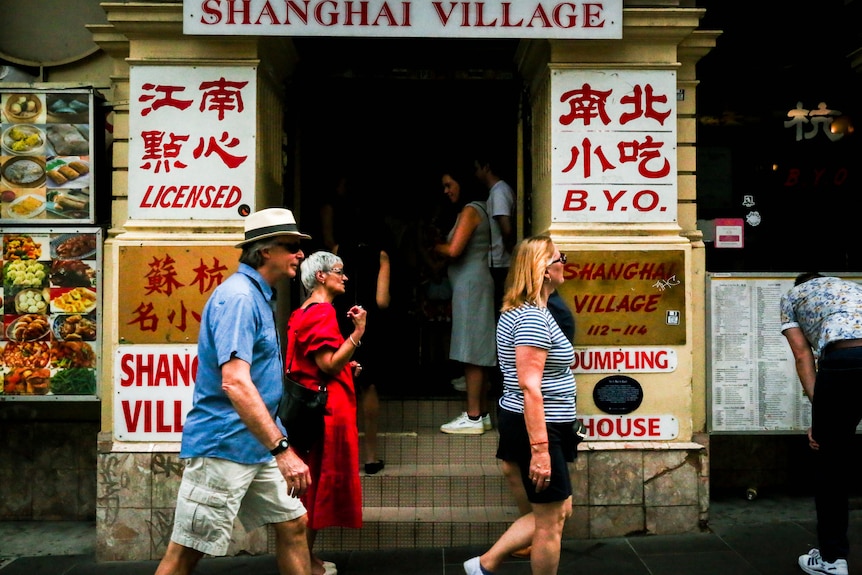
(814, 564)
(463, 425)
(486, 422)
(459, 383)
(472, 566)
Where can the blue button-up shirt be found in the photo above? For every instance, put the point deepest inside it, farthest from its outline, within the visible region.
(237, 321)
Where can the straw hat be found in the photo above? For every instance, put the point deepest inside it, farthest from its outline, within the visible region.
(271, 222)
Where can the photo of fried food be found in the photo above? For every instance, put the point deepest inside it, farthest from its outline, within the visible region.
(66, 354)
(26, 354)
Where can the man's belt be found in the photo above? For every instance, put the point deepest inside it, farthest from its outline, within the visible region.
(843, 344)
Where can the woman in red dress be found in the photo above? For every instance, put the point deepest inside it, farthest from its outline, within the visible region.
(317, 353)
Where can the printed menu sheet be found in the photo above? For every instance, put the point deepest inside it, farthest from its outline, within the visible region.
(753, 386)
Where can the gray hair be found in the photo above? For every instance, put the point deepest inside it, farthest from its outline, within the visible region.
(321, 261)
(251, 255)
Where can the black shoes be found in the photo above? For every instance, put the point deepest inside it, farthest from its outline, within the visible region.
(373, 467)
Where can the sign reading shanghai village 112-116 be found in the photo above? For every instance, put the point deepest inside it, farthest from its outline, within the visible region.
(406, 18)
(192, 142)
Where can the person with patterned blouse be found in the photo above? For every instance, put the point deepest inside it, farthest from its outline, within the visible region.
(821, 317)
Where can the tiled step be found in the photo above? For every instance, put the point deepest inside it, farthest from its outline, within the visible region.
(451, 486)
(436, 489)
(412, 527)
(430, 447)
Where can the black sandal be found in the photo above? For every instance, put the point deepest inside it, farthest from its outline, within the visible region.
(373, 467)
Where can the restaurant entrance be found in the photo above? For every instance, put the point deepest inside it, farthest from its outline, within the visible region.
(392, 114)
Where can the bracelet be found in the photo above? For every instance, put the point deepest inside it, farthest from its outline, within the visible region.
(354, 342)
(538, 443)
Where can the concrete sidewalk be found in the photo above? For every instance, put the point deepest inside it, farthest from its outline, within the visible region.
(763, 536)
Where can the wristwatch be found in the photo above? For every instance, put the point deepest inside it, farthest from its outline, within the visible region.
(281, 446)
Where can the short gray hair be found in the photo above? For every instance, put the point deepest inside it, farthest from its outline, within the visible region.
(321, 261)
(251, 255)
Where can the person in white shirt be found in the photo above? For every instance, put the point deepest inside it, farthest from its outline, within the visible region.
(501, 208)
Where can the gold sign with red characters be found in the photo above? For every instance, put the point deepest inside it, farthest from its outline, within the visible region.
(164, 289)
(626, 297)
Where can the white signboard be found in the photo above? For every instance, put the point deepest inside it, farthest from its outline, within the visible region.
(630, 427)
(613, 134)
(153, 389)
(192, 142)
(624, 359)
(406, 18)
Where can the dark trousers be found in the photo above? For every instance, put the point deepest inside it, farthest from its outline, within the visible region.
(836, 411)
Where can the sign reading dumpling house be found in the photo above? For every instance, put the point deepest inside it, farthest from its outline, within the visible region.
(406, 18)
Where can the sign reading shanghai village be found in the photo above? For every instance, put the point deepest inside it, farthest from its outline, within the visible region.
(406, 18)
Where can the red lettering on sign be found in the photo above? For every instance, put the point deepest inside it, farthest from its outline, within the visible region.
(165, 418)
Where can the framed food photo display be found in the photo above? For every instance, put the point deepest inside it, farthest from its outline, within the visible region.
(46, 151)
(50, 299)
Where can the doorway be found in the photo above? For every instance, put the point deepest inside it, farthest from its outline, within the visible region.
(392, 113)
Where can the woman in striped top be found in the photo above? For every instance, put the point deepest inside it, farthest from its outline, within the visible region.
(537, 408)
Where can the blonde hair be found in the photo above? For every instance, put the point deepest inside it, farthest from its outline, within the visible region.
(527, 272)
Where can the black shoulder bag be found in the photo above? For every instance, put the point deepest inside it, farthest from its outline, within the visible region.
(300, 409)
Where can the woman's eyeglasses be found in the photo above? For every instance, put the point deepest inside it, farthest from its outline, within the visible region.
(337, 272)
(562, 259)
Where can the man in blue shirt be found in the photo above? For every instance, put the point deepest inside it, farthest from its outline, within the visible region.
(239, 464)
(821, 317)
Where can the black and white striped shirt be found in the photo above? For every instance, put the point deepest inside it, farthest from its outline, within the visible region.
(534, 326)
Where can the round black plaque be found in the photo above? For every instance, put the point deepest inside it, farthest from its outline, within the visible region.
(618, 394)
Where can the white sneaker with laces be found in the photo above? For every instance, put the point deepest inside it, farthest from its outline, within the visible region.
(813, 563)
(459, 383)
(486, 422)
(463, 425)
(472, 566)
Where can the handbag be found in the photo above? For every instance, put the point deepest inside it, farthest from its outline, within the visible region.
(580, 430)
(301, 411)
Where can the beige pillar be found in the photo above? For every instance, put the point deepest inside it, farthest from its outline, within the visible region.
(138, 482)
(648, 485)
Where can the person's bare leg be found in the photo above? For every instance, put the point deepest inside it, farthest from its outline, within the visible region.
(178, 560)
(474, 375)
(548, 535)
(291, 547)
(517, 536)
(512, 473)
(371, 415)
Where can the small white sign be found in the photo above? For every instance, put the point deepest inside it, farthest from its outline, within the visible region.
(153, 389)
(630, 427)
(624, 359)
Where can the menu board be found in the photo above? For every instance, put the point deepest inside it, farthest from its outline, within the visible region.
(751, 374)
(51, 318)
(45, 152)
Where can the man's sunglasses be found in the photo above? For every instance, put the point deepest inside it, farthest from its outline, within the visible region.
(291, 247)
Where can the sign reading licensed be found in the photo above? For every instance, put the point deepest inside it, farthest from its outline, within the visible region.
(192, 142)
(406, 18)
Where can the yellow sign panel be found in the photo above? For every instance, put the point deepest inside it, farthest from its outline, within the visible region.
(163, 290)
(626, 297)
